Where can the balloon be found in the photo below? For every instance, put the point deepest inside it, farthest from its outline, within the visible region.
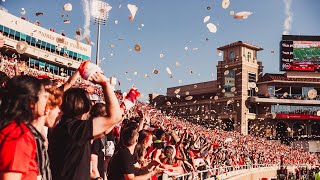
(23, 11)
(137, 47)
(67, 21)
(78, 32)
(133, 10)
(67, 7)
(168, 71)
(177, 91)
(21, 47)
(242, 15)
(212, 28)
(206, 19)
(39, 13)
(225, 4)
(155, 71)
(188, 98)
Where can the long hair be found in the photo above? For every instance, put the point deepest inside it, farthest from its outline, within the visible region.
(3, 81)
(75, 102)
(97, 110)
(19, 94)
(140, 148)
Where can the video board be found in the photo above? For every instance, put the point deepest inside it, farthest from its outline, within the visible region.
(300, 53)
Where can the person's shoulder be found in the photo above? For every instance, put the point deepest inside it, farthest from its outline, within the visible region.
(70, 121)
(124, 152)
(18, 136)
(16, 130)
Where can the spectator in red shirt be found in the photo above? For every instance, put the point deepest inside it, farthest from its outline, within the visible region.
(23, 102)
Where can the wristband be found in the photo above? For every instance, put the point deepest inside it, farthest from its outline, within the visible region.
(104, 83)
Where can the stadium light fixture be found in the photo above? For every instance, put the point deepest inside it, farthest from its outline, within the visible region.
(100, 12)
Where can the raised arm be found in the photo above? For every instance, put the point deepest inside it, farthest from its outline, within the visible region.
(71, 81)
(103, 125)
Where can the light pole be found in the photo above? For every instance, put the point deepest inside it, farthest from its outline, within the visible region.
(100, 12)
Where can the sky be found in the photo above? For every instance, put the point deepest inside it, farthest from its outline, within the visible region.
(175, 30)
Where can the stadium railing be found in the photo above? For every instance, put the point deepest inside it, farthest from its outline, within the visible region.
(215, 172)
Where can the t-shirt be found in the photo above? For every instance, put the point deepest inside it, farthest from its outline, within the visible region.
(121, 163)
(42, 154)
(70, 149)
(18, 151)
(96, 149)
(108, 142)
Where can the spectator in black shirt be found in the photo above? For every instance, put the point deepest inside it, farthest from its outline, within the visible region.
(121, 166)
(97, 147)
(69, 143)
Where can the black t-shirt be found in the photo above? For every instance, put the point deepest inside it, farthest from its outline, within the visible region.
(96, 148)
(121, 163)
(110, 136)
(70, 149)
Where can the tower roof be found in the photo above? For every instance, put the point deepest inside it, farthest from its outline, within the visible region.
(240, 43)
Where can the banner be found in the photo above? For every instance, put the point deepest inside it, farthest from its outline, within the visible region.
(298, 116)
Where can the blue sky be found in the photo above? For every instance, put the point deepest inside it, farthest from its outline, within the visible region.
(169, 27)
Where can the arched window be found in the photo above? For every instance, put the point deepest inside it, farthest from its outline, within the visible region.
(231, 56)
(249, 56)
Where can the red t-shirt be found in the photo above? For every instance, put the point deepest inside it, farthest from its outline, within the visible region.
(18, 151)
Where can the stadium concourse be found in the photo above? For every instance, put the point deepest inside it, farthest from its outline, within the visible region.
(176, 145)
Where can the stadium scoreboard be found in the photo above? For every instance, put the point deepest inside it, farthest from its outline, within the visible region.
(300, 53)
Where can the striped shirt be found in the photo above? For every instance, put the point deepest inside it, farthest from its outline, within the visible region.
(42, 155)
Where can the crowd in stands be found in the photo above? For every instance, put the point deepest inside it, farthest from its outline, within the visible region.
(114, 138)
(283, 77)
(301, 172)
(12, 66)
(293, 96)
(303, 112)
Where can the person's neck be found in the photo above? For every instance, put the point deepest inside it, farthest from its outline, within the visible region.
(39, 123)
(131, 149)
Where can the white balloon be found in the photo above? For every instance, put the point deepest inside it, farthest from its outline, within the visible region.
(206, 19)
(225, 4)
(168, 71)
(212, 28)
(23, 11)
(67, 7)
(133, 10)
(242, 15)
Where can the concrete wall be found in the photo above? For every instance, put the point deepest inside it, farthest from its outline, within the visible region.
(250, 174)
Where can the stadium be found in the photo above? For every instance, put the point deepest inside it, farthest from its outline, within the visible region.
(243, 125)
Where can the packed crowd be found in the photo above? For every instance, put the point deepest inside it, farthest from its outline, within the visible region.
(116, 138)
(304, 112)
(285, 96)
(301, 172)
(14, 66)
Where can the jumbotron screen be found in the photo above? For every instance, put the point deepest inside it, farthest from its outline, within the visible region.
(300, 53)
